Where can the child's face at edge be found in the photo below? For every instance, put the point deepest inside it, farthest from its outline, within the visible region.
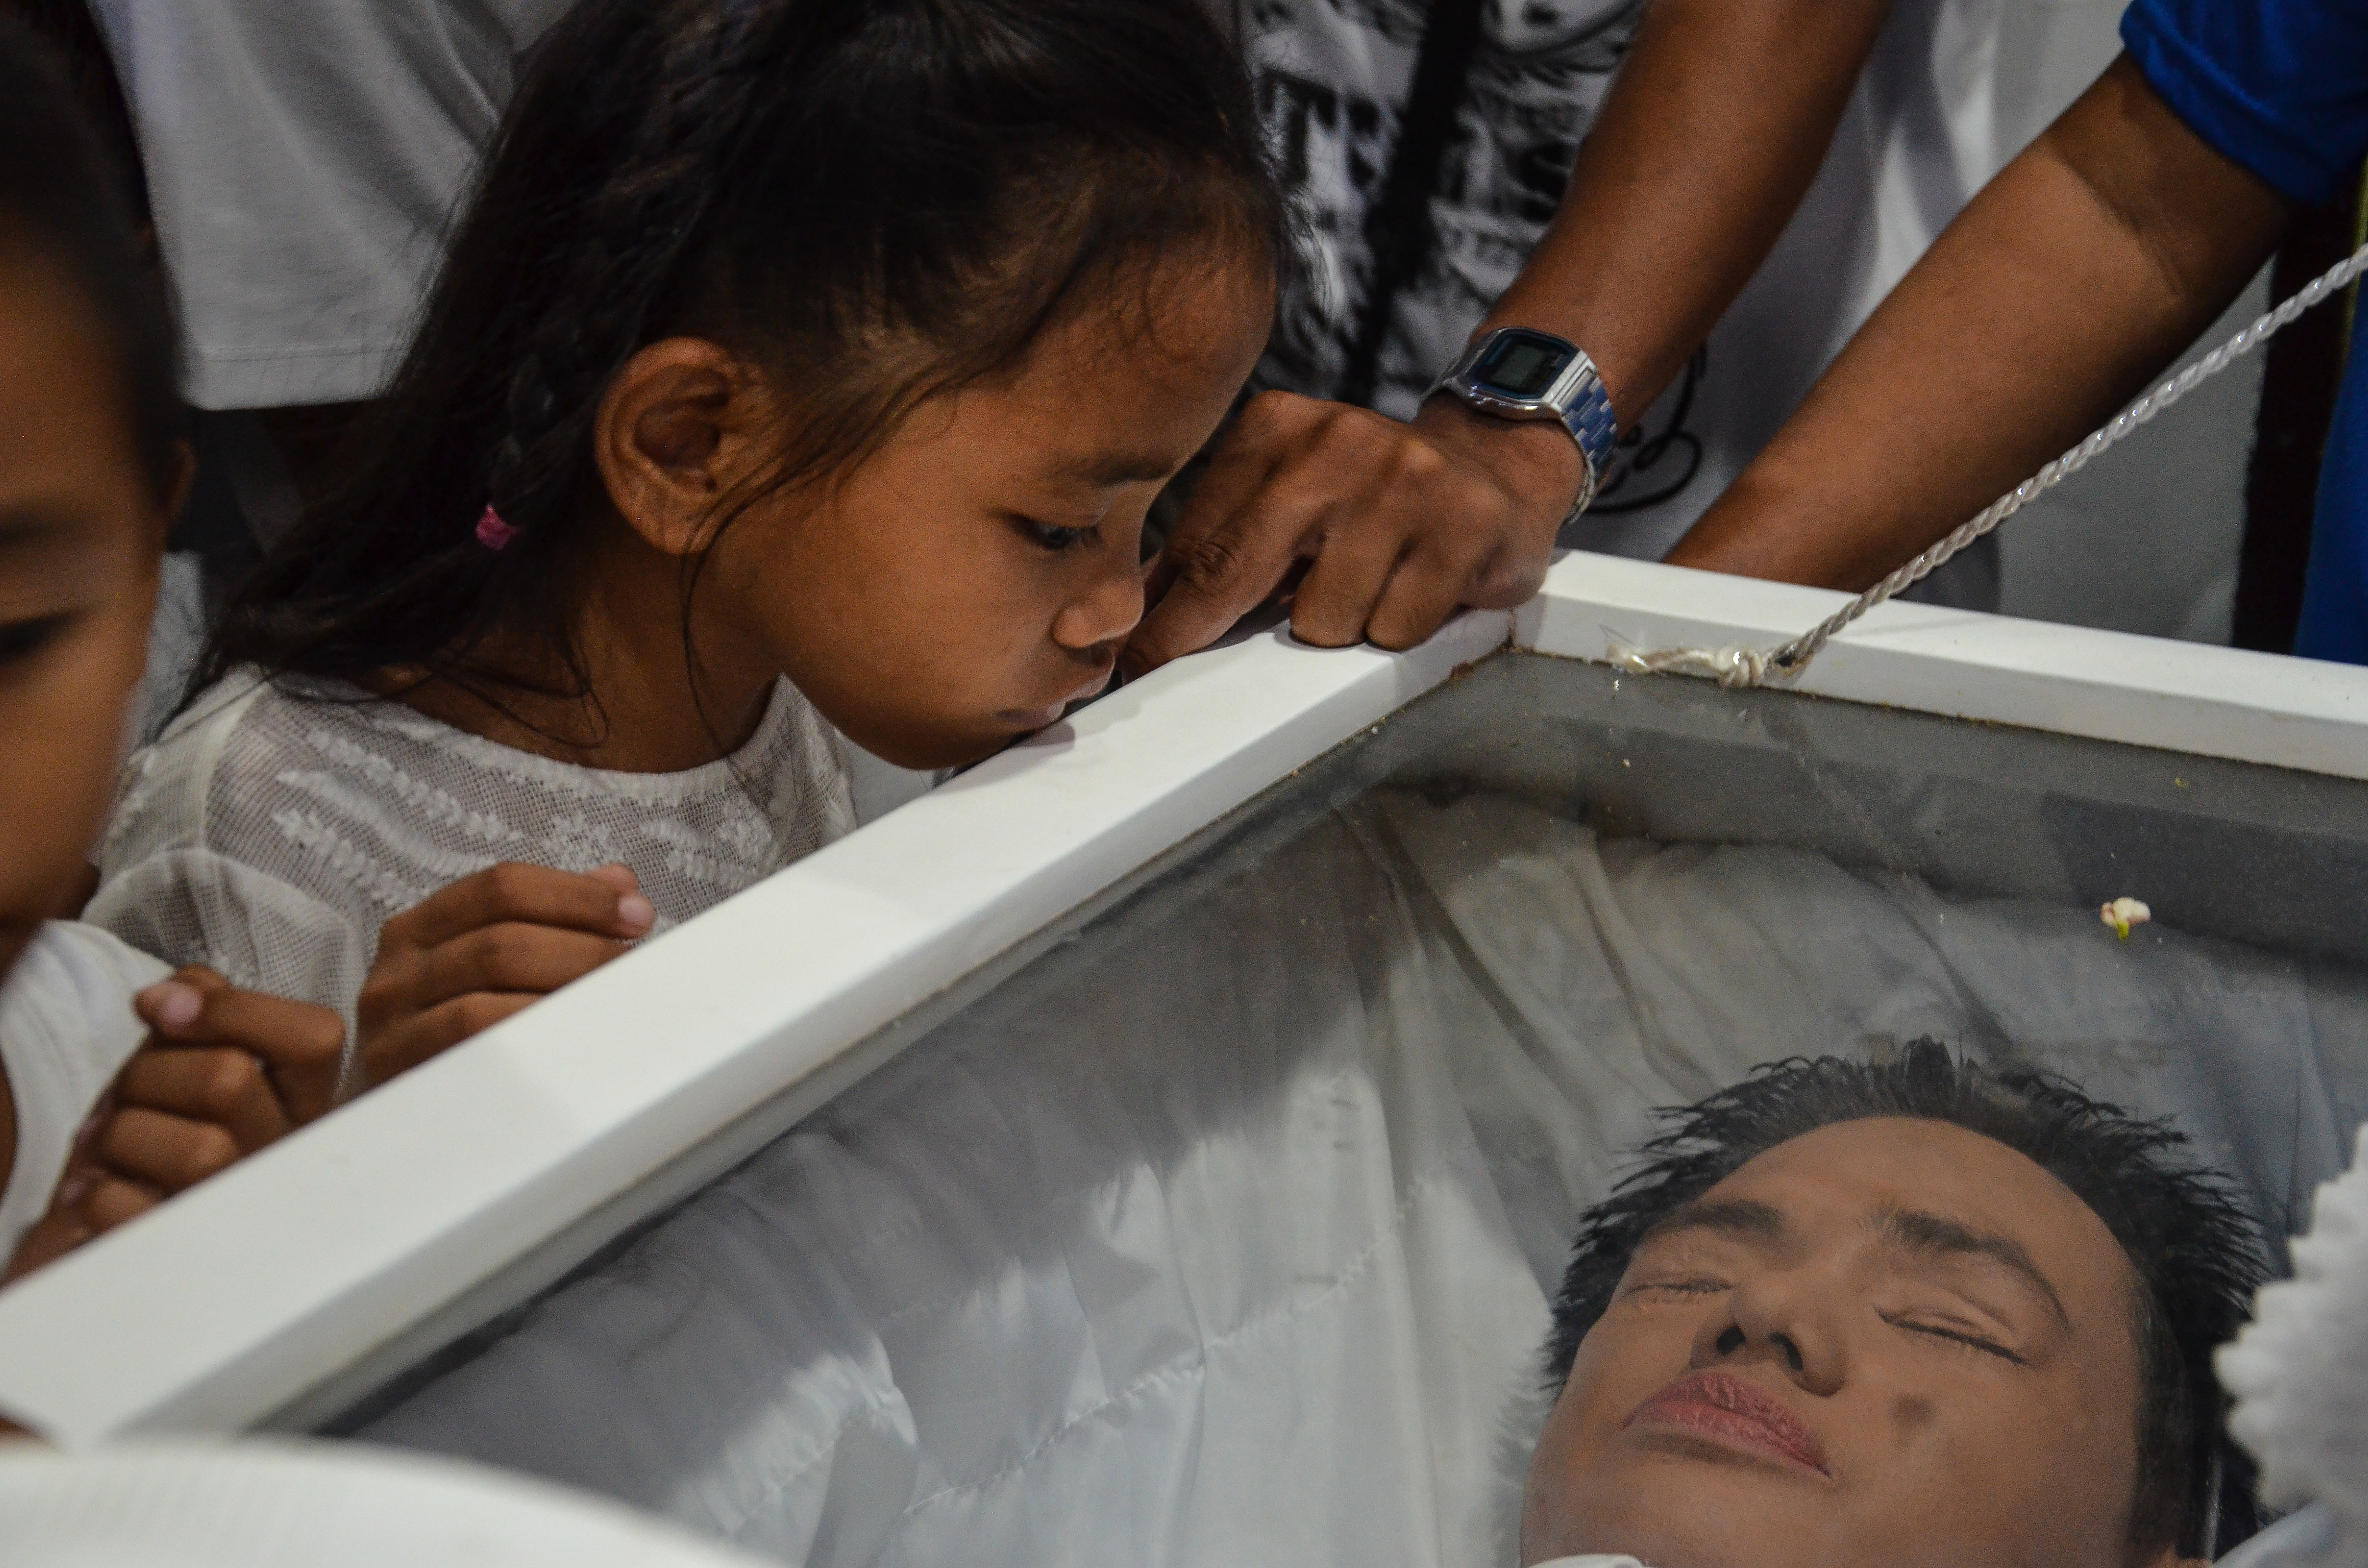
(981, 569)
(80, 537)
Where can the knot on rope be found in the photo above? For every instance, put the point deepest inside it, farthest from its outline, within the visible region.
(1748, 668)
(1728, 667)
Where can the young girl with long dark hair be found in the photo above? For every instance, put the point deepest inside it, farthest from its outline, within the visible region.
(801, 364)
(168, 1078)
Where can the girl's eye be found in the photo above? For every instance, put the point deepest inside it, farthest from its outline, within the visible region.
(1959, 1337)
(20, 640)
(1045, 537)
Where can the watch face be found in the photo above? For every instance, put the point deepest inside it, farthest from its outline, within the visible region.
(1522, 365)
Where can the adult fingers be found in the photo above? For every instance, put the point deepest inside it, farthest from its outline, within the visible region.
(1233, 544)
(1409, 540)
(1510, 576)
(414, 1039)
(1337, 597)
(223, 1086)
(537, 894)
(301, 1046)
(1452, 521)
(1422, 594)
(170, 1152)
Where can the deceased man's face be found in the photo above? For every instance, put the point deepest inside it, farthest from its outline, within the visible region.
(1887, 1344)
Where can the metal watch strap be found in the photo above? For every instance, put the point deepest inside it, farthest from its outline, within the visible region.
(1577, 400)
(1590, 418)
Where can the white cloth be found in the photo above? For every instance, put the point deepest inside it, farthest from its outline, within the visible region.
(1225, 1235)
(66, 1028)
(1917, 140)
(273, 1503)
(270, 835)
(2299, 1371)
(306, 159)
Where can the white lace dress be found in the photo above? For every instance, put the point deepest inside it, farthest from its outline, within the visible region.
(273, 829)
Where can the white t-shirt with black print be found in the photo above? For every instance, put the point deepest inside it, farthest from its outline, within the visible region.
(1333, 78)
(1917, 140)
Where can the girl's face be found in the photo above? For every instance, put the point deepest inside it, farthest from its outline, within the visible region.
(80, 536)
(980, 571)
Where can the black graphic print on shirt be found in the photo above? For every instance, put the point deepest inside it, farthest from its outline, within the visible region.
(1333, 79)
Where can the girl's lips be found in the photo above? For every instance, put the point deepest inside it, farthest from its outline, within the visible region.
(1737, 1414)
(1032, 719)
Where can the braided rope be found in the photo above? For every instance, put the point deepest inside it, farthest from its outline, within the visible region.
(1747, 666)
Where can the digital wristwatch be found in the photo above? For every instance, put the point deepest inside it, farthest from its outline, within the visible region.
(1516, 373)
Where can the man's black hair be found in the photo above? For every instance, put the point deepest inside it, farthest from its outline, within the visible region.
(2197, 1251)
(64, 198)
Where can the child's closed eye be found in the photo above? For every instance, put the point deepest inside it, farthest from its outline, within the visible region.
(21, 639)
(1051, 538)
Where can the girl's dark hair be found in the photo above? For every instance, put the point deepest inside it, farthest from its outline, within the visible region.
(64, 197)
(2197, 1253)
(872, 200)
(68, 26)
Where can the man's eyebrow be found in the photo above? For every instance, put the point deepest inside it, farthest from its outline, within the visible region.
(1734, 1216)
(1938, 1236)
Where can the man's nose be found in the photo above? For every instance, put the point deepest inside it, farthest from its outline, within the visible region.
(1784, 1319)
(1107, 612)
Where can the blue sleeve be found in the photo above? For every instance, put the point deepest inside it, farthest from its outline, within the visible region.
(2278, 86)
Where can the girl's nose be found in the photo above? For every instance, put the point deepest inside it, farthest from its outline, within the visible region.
(1108, 611)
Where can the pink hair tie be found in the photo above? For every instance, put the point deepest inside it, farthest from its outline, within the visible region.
(493, 533)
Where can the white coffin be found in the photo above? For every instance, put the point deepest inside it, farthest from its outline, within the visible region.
(328, 1283)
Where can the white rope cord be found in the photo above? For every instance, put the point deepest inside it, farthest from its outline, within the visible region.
(1752, 666)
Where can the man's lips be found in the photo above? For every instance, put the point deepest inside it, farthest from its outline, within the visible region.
(1735, 1413)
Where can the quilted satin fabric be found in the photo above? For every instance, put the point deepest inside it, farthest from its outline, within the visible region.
(1222, 1235)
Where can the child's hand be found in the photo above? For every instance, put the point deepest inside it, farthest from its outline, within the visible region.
(223, 1073)
(487, 947)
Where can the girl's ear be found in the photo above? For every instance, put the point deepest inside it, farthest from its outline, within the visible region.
(672, 437)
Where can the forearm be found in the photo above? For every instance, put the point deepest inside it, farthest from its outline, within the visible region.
(1718, 123)
(2070, 280)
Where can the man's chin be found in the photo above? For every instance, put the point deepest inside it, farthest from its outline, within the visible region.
(1660, 1548)
(1675, 1515)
